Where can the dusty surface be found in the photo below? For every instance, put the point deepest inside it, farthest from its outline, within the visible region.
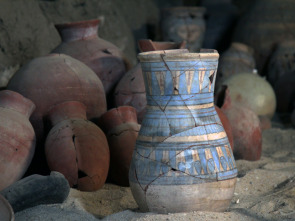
(265, 191)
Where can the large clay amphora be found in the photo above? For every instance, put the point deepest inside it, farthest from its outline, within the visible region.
(182, 159)
(17, 136)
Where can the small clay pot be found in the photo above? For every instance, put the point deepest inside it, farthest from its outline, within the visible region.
(121, 127)
(131, 89)
(246, 129)
(80, 41)
(184, 24)
(17, 136)
(285, 92)
(76, 147)
(226, 125)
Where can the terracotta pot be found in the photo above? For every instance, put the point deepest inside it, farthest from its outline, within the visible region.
(246, 130)
(53, 79)
(266, 23)
(182, 154)
(220, 20)
(120, 125)
(285, 92)
(80, 41)
(76, 147)
(184, 24)
(6, 211)
(252, 91)
(17, 136)
(237, 59)
(226, 125)
(282, 61)
(131, 89)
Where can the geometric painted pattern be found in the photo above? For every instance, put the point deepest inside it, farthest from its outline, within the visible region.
(181, 140)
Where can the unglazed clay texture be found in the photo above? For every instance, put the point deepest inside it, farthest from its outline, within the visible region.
(182, 159)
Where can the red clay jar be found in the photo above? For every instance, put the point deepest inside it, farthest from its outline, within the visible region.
(17, 136)
(80, 40)
(76, 147)
(226, 125)
(246, 130)
(53, 79)
(121, 127)
(131, 89)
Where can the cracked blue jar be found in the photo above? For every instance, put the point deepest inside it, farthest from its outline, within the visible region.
(182, 160)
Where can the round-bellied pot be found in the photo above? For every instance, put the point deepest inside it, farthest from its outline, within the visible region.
(53, 79)
(76, 147)
(17, 136)
(131, 90)
(184, 24)
(182, 154)
(121, 128)
(246, 129)
(80, 41)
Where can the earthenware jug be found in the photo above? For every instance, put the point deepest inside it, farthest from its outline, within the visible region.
(17, 136)
(80, 40)
(76, 147)
(182, 159)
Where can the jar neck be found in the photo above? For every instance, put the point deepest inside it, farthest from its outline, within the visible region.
(67, 110)
(15, 101)
(78, 30)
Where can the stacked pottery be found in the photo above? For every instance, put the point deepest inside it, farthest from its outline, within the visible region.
(80, 41)
(182, 159)
(221, 16)
(282, 61)
(184, 24)
(237, 59)
(53, 79)
(265, 24)
(17, 136)
(131, 90)
(121, 128)
(245, 127)
(76, 147)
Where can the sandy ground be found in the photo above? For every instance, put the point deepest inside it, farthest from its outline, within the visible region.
(265, 191)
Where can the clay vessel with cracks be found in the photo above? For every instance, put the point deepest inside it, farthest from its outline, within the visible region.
(53, 79)
(246, 128)
(80, 40)
(131, 90)
(182, 159)
(121, 128)
(76, 147)
(184, 24)
(17, 136)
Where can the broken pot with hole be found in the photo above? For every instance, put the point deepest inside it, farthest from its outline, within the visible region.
(76, 147)
(17, 136)
(121, 128)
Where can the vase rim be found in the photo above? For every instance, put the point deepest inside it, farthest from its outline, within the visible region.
(177, 54)
(84, 23)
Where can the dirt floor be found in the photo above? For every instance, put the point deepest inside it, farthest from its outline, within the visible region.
(265, 191)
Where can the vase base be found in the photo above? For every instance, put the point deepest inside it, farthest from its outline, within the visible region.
(213, 196)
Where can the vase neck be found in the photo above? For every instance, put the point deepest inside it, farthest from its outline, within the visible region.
(78, 30)
(67, 110)
(15, 101)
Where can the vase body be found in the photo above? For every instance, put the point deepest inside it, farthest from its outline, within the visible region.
(17, 137)
(184, 24)
(131, 90)
(121, 128)
(80, 41)
(182, 159)
(76, 147)
(53, 79)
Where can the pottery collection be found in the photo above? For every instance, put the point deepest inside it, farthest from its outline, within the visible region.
(182, 151)
(17, 136)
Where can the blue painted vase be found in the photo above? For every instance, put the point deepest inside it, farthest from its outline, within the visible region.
(182, 160)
